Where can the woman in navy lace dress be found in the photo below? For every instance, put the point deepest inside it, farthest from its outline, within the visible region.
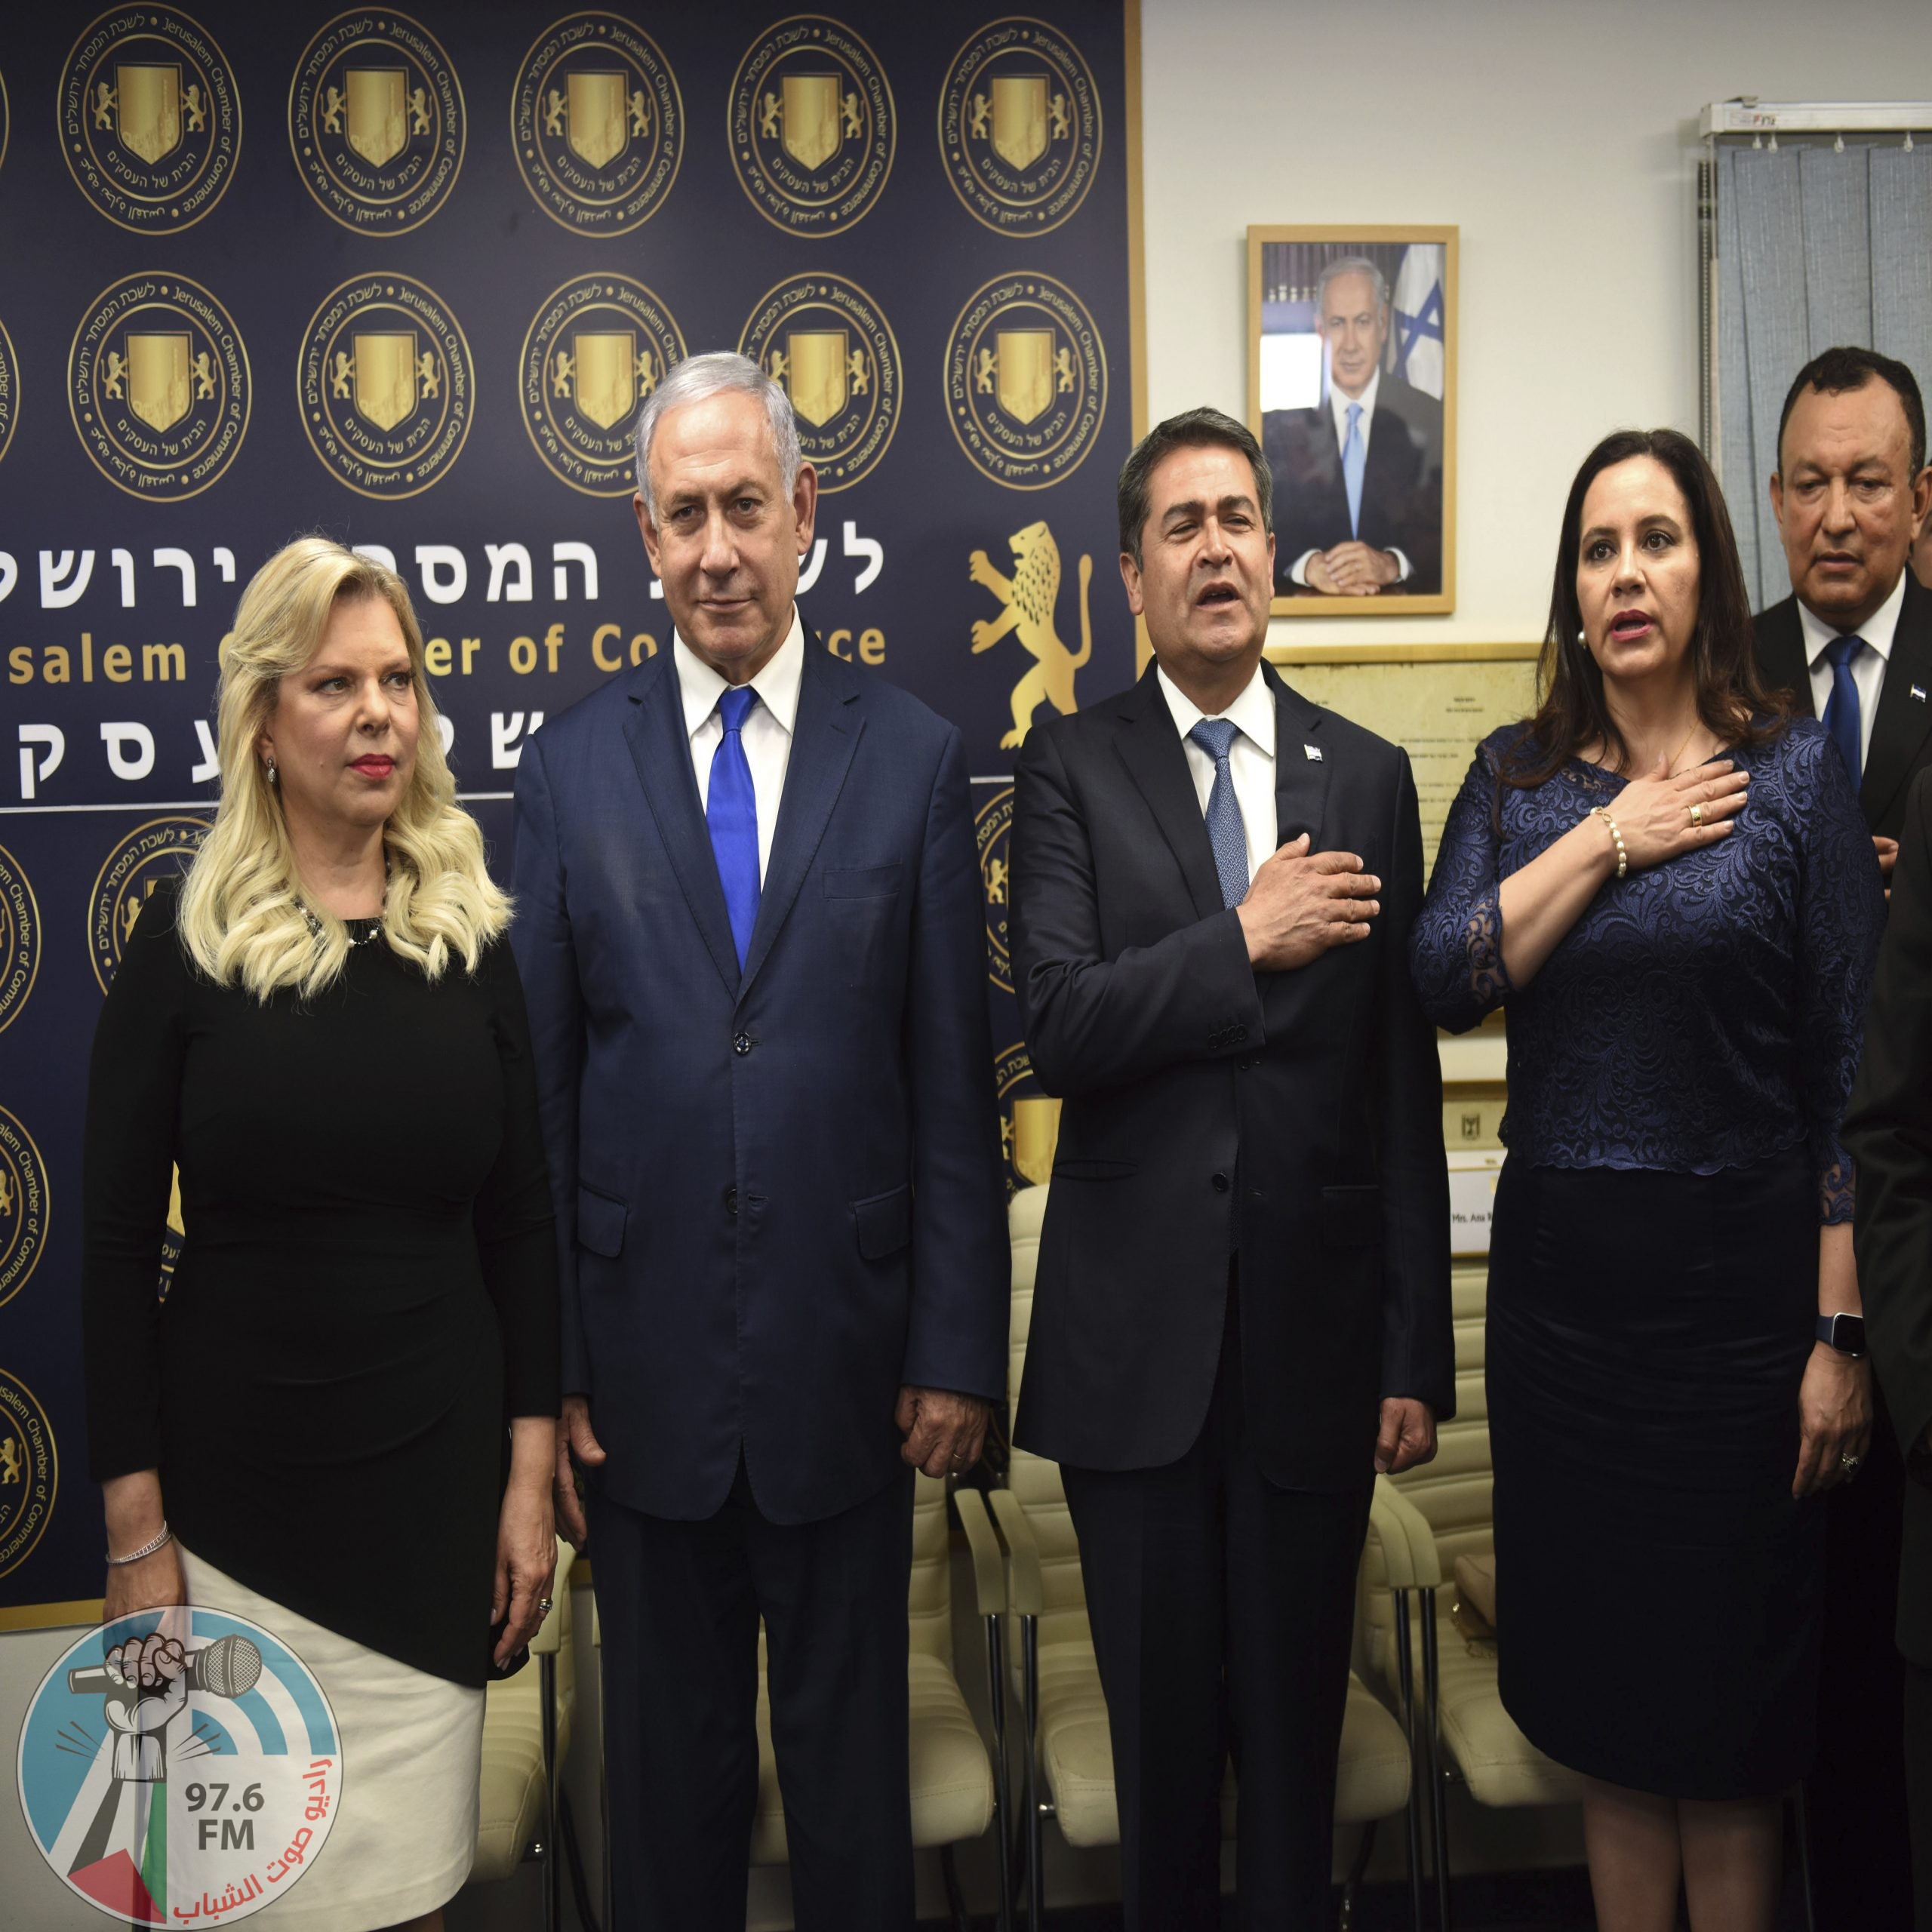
(1672, 888)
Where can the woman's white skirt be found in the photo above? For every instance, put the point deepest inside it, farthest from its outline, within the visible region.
(405, 1832)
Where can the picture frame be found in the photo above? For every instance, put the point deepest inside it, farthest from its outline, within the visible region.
(1354, 410)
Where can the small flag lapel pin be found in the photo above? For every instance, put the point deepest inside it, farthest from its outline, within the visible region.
(1918, 692)
(1314, 752)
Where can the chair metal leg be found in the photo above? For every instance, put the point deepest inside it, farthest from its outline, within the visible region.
(1351, 1884)
(552, 1849)
(1405, 1680)
(955, 1899)
(1002, 1796)
(1029, 1651)
(1803, 1821)
(1438, 1790)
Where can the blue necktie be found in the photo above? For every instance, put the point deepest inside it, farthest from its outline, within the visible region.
(1226, 831)
(1354, 456)
(731, 810)
(1841, 719)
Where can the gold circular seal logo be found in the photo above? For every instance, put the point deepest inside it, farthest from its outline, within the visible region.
(1019, 126)
(812, 126)
(376, 122)
(29, 1471)
(23, 1207)
(6, 120)
(20, 939)
(597, 124)
(10, 388)
(598, 346)
(827, 342)
(1026, 381)
(159, 387)
(152, 853)
(150, 120)
(992, 831)
(386, 384)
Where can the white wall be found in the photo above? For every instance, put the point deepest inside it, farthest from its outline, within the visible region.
(1561, 135)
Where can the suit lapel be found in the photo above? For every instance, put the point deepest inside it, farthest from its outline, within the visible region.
(1781, 656)
(825, 735)
(661, 750)
(1301, 783)
(1903, 721)
(1150, 748)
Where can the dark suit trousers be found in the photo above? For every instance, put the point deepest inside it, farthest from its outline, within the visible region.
(1855, 1800)
(1221, 1609)
(680, 1604)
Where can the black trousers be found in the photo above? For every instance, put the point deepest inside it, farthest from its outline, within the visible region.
(1221, 1609)
(1855, 1798)
(1918, 1785)
(680, 1604)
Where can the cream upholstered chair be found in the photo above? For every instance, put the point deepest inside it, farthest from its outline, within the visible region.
(1070, 1748)
(526, 1737)
(1432, 1524)
(956, 1786)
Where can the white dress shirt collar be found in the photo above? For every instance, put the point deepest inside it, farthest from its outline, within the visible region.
(1878, 630)
(700, 687)
(1252, 713)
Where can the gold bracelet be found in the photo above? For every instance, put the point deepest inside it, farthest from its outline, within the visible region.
(1616, 838)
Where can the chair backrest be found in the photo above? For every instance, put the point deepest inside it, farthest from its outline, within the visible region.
(1453, 1492)
(1033, 1479)
(929, 1603)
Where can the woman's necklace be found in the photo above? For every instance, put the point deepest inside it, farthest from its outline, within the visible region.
(374, 925)
(1672, 772)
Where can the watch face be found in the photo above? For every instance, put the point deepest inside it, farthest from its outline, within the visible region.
(1844, 1332)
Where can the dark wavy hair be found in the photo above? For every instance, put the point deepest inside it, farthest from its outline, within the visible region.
(1731, 700)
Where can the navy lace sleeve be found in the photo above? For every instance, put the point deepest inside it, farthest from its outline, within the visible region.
(1841, 913)
(1456, 946)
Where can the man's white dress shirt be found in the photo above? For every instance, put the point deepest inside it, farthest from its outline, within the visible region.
(1250, 758)
(1867, 666)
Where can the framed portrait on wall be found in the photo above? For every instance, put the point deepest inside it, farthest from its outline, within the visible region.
(1352, 394)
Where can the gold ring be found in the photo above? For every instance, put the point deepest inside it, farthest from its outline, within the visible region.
(1697, 814)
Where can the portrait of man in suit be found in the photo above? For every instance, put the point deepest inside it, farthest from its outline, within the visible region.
(1242, 1310)
(750, 932)
(1852, 645)
(1358, 474)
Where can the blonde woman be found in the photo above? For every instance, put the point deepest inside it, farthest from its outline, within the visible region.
(341, 1423)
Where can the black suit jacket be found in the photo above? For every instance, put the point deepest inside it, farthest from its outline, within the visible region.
(1888, 1132)
(1902, 733)
(1295, 1115)
(1402, 485)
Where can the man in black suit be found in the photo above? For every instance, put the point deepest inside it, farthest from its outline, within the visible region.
(1242, 1310)
(1888, 1129)
(1358, 478)
(1853, 645)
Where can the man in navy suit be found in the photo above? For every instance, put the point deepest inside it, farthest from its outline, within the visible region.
(750, 932)
(1358, 478)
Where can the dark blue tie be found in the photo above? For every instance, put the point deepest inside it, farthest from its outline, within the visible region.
(1841, 719)
(731, 810)
(1227, 832)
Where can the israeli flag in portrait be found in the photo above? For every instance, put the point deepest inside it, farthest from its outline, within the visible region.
(1417, 326)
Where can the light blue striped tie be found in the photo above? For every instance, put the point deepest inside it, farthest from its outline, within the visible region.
(1227, 830)
(1354, 459)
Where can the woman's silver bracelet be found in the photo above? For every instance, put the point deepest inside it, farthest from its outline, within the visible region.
(160, 1541)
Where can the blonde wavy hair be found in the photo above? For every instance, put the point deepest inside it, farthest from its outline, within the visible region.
(242, 920)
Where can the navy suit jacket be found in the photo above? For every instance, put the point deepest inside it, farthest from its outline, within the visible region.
(778, 1191)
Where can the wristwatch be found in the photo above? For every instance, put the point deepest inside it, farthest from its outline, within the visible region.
(1845, 1333)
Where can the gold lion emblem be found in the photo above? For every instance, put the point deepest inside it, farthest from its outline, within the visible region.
(1030, 595)
(10, 1460)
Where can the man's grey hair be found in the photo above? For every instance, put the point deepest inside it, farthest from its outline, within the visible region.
(1195, 428)
(1350, 265)
(698, 379)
